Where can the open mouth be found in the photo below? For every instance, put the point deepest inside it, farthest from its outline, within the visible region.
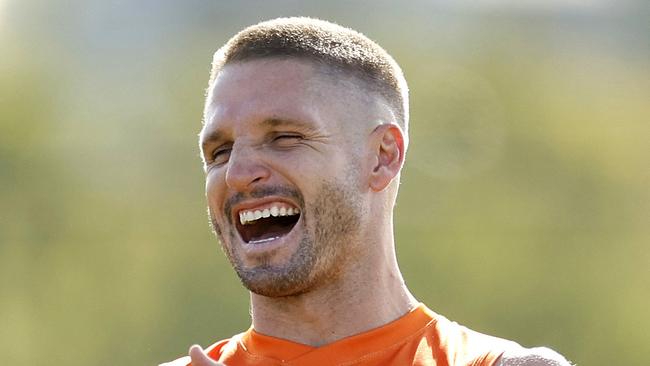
(267, 222)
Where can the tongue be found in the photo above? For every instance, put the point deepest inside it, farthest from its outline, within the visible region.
(269, 228)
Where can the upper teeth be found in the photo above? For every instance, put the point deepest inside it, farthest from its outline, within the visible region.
(247, 217)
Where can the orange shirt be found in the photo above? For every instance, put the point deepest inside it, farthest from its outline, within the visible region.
(421, 338)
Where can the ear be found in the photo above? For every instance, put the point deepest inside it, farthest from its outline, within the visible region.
(388, 155)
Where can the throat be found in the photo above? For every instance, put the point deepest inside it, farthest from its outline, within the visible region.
(332, 312)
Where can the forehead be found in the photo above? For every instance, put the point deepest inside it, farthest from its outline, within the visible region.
(266, 88)
(285, 88)
(252, 78)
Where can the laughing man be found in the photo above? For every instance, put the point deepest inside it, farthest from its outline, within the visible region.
(304, 137)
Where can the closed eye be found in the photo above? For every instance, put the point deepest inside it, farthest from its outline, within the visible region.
(220, 155)
(286, 140)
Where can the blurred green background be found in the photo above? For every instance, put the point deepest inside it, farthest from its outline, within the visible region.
(524, 208)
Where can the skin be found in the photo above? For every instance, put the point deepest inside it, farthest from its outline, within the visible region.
(338, 159)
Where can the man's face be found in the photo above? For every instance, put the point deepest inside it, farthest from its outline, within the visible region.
(283, 181)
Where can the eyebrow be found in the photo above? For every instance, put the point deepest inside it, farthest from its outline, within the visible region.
(277, 122)
(216, 136)
(211, 138)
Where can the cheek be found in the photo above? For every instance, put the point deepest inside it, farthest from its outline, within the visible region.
(315, 174)
(213, 190)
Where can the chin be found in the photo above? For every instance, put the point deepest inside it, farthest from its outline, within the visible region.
(274, 282)
(293, 277)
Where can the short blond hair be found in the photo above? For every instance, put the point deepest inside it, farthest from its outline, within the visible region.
(339, 48)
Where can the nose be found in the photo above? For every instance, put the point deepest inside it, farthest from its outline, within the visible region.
(245, 169)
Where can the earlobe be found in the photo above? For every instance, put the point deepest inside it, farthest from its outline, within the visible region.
(389, 155)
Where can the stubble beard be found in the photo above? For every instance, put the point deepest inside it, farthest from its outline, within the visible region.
(329, 227)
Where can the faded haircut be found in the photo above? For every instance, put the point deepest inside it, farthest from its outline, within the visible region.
(344, 51)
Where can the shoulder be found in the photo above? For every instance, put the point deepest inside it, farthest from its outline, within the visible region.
(538, 356)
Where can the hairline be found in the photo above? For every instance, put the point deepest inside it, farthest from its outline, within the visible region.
(334, 72)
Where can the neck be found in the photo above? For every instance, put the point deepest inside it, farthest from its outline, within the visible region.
(369, 294)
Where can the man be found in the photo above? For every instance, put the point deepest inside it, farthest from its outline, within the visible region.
(303, 141)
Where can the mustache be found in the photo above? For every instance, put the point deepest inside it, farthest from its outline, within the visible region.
(260, 193)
